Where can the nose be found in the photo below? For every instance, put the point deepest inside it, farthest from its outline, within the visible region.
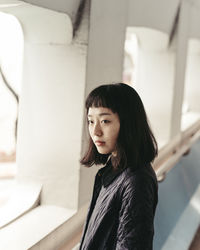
(97, 129)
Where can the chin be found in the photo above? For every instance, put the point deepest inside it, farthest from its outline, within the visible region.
(103, 152)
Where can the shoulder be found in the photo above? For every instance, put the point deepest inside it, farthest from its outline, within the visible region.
(139, 190)
(139, 180)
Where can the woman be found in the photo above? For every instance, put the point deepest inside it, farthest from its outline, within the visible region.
(122, 209)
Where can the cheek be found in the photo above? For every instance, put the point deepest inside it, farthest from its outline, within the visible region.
(90, 131)
(117, 129)
(115, 133)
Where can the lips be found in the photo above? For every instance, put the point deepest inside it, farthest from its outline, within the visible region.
(99, 143)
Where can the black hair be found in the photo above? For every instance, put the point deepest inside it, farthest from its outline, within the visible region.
(136, 144)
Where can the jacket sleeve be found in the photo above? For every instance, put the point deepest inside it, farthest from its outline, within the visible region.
(136, 216)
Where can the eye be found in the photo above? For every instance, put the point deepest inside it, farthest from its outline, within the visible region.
(90, 121)
(105, 121)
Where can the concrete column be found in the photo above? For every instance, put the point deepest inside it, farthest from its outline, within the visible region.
(104, 63)
(52, 93)
(108, 21)
(181, 58)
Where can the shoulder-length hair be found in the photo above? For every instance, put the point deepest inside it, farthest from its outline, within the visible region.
(136, 144)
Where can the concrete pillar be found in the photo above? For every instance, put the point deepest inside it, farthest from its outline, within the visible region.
(181, 58)
(52, 93)
(108, 20)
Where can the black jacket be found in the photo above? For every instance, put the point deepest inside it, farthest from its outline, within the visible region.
(121, 212)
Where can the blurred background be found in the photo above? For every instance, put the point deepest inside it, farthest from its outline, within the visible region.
(52, 54)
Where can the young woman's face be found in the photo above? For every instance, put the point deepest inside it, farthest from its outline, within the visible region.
(104, 128)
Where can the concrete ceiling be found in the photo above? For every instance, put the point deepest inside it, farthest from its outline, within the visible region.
(70, 6)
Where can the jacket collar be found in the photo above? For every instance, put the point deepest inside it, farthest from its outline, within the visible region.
(108, 174)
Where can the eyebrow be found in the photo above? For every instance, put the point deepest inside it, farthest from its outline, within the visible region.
(101, 114)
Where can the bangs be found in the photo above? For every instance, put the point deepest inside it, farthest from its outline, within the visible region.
(96, 101)
(101, 97)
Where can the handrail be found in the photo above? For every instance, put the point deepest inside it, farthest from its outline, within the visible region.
(74, 228)
(170, 154)
(25, 196)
